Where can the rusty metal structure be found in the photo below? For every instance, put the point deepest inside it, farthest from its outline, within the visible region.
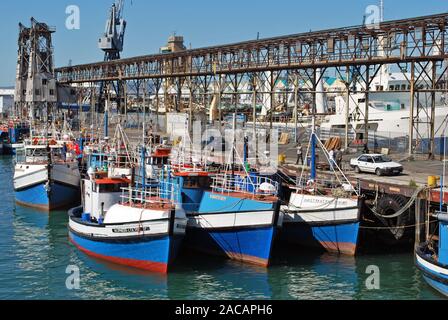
(418, 45)
(35, 90)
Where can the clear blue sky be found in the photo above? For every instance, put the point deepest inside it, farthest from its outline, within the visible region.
(201, 22)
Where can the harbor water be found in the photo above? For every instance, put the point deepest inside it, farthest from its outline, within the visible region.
(35, 256)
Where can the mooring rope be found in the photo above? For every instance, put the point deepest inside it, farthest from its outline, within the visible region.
(402, 210)
(404, 227)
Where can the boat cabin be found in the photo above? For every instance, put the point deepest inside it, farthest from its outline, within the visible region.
(192, 185)
(101, 192)
(38, 154)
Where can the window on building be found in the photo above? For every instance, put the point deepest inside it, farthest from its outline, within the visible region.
(37, 92)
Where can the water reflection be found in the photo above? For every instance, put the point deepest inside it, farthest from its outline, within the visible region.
(215, 278)
(299, 274)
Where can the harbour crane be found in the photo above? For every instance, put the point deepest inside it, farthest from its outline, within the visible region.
(112, 40)
(112, 43)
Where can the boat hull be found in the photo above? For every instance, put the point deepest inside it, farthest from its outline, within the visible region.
(435, 274)
(33, 188)
(341, 238)
(251, 245)
(331, 224)
(150, 245)
(243, 235)
(60, 196)
(153, 254)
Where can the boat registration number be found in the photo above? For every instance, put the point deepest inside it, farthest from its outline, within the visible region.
(131, 230)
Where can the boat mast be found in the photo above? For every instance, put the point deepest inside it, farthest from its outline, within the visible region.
(106, 115)
(313, 129)
(234, 144)
(143, 166)
(313, 147)
(442, 178)
(144, 112)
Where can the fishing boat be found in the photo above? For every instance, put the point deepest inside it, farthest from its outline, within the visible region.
(143, 229)
(432, 256)
(46, 176)
(15, 134)
(323, 214)
(232, 213)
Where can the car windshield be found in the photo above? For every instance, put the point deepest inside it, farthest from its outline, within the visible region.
(381, 159)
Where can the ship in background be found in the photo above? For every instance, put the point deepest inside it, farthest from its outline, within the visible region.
(389, 107)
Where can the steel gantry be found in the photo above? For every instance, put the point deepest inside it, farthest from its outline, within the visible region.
(417, 44)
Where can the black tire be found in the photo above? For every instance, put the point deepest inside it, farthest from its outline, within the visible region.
(357, 170)
(389, 205)
(378, 172)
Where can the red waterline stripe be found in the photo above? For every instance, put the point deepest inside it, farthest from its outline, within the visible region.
(346, 248)
(248, 259)
(236, 256)
(139, 264)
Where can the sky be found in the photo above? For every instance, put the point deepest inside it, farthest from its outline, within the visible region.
(201, 22)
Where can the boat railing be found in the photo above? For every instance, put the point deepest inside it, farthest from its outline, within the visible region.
(105, 160)
(329, 185)
(250, 185)
(163, 194)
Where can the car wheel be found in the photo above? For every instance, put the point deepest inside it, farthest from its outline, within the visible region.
(357, 170)
(378, 172)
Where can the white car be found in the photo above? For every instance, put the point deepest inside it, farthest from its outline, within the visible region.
(376, 163)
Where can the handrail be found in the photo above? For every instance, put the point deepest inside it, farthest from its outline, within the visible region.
(251, 185)
(165, 193)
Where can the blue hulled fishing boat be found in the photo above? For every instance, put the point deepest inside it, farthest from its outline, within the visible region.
(323, 214)
(231, 212)
(233, 215)
(136, 225)
(14, 137)
(46, 176)
(432, 257)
